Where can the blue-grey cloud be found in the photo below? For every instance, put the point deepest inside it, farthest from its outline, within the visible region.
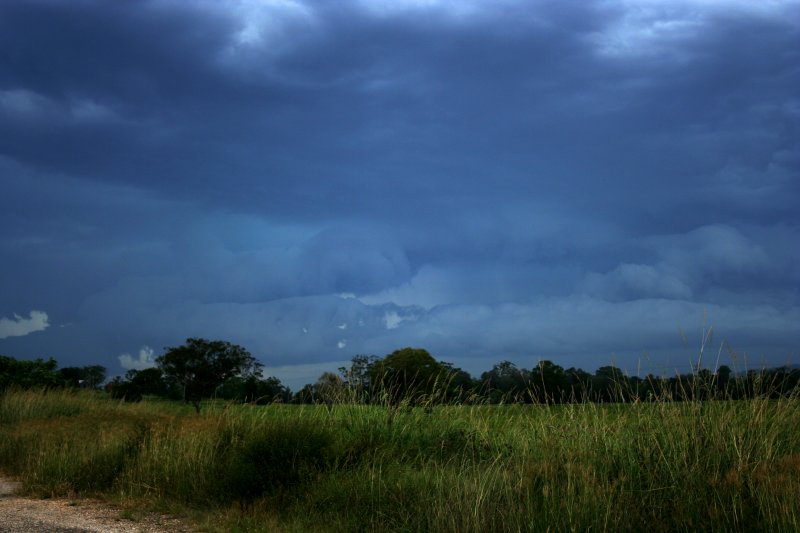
(633, 281)
(517, 180)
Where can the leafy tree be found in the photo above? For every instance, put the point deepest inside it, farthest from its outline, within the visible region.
(655, 388)
(723, 379)
(272, 390)
(609, 384)
(702, 384)
(90, 377)
(788, 380)
(94, 376)
(137, 383)
(27, 374)
(120, 389)
(252, 389)
(357, 377)
(72, 375)
(304, 395)
(200, 366)
(407, 374)
(505, 382)
(548, 382)
(580, 384)
(459, 385)
(330, 389)
(149, 381)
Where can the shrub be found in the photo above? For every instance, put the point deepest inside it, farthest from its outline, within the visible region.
(278, 458)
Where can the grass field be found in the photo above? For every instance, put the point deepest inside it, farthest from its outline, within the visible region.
(664, 466)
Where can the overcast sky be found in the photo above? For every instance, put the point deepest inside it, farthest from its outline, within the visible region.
(489, 180)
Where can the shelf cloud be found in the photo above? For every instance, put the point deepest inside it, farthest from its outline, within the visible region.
(572, 181)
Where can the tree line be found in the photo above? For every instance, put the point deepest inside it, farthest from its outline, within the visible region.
(201, 369)
(412, 375)
(45, 373)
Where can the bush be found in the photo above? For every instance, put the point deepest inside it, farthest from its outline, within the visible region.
(278, 458)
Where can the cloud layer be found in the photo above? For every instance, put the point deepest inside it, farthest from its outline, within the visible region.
(549, 179)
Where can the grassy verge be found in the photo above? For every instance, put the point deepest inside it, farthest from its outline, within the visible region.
(718, 465)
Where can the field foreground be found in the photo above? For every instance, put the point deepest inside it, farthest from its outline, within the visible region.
(716, 465)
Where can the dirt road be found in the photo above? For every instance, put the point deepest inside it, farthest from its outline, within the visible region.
(23, 515)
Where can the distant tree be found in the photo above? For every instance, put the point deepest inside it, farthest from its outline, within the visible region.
(703, 384)
(680, 387)
(357, 377)
(580, 384)
(120, 389)
(28, 374)
(723, 379)
(149, 381)
(609, 384)
(200, 366)
(788, 380)
(94, 376)
(305, 395)
(458, 384)
(548, 383)
(506, 383)
(272, 390)
(72, 375)
(138, 383)
(637, 389)
(408, 374)
(655, 388)
(252, 389)
(330, 389)
(90, 377)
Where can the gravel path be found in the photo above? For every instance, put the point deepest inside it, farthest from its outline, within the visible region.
(23, 515)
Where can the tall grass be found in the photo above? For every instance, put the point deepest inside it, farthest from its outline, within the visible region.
(664, 466)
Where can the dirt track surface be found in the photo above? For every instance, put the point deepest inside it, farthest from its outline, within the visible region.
(23, 515)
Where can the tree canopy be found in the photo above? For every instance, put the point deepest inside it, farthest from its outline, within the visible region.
(90, 377)
(200, 366)
(137, 383)
(505, 382)
(27, 374)
(407, 374)
(253, 389)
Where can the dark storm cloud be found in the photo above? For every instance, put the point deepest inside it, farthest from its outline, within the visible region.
(411, 98)
(315, 180)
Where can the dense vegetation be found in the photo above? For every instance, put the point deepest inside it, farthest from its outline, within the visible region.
(409, 443)
(665, 466)
(216, 369)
